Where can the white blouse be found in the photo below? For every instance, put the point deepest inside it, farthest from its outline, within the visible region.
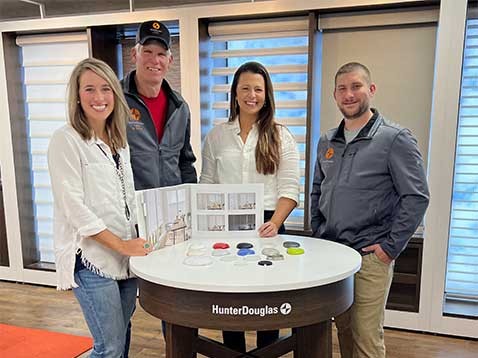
(227, 160)
(88, 198)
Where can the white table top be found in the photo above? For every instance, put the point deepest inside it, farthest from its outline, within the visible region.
(322, 263)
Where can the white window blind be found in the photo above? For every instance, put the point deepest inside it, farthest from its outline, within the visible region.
(47, 61)
(462, 267)
(282, 46)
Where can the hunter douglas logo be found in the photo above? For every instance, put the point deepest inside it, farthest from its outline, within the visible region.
(266, 310)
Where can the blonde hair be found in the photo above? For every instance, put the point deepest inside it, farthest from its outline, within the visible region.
(116, 122)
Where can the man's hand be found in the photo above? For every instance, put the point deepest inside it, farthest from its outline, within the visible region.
(268, 229)
(377, 250)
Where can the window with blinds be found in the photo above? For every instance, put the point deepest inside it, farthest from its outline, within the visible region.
(462, 266)
(47, 61)
(282, 46)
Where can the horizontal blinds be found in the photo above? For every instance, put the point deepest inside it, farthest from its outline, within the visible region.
(47, 61)
(462, 266)
(282, 46)
(368, 19)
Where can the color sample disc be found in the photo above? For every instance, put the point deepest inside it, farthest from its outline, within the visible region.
(245, 252)
(278, 257)
(288, 244)
(198, 261)
(196, 250)
(252, 258)
(220, 245)
(220, 252)
(270, 251)
(244, 245)
(230, 258)
(295, 250)
(265, 263)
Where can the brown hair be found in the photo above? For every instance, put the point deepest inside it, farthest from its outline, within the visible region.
(352, 67)
(116, 122)
(268, 145)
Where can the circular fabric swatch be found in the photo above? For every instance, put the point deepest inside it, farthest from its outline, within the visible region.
(270, 251)
(288, 244)
(245, 252)
(198, 261)
(295, 250)
(278, 257)
(220, 252)
(252, 258)
(220, 245)
(240, 263)
(244, 245)
(196, 250)
(229, 258)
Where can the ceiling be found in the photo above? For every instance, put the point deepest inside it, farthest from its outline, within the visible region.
(11, 10)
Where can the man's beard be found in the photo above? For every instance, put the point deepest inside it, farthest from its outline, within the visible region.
(364, 107)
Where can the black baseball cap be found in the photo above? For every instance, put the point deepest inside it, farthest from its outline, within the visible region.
(153, 30)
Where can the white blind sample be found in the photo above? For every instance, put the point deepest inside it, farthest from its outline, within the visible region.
(47, 61)
(282, 46)
(462, 267)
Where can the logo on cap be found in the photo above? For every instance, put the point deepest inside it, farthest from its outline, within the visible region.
(156, 25)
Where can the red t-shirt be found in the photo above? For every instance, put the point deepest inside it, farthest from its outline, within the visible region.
(158, 107)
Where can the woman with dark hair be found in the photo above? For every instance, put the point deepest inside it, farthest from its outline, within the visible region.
(253, 148)
(94, 206)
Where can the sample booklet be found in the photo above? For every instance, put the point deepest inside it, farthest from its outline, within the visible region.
(174, 214)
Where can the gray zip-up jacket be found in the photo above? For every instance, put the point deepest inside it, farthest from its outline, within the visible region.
(371, 191)
(169, 162)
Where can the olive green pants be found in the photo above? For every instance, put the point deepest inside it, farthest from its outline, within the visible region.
(360, 328)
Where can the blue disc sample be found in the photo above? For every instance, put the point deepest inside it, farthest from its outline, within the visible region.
(245, 252)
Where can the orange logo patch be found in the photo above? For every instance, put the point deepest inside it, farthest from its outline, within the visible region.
(135, 114)
(156, 25)
(329, 153)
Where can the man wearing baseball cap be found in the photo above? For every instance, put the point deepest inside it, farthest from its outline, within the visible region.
(159, 127)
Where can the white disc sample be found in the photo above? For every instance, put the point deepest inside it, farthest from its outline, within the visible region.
(220, 252)
(198, 261)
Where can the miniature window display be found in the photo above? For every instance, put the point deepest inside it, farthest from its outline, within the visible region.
(210, 201)
(242, 222)
(211, 223)
(242, 201)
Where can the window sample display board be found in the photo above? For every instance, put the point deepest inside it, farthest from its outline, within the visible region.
(170, 215)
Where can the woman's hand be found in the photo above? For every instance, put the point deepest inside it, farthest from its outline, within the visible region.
(135, 247)
(268, 229)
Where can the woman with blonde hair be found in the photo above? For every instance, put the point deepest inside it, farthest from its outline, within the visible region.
(253, 148)
(94, 206)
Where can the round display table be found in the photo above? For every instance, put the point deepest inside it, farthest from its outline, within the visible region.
(302, 292)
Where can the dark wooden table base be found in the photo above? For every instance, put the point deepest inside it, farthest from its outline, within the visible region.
(307, 311)
(306, 342)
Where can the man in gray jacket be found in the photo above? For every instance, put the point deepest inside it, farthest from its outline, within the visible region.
(370, 193)
(159, 128)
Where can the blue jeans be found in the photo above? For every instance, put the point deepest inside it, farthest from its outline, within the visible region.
(107, 305)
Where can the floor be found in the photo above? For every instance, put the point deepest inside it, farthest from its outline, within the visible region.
(45, 308)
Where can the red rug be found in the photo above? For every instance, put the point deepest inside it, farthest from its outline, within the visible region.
(20, 342)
